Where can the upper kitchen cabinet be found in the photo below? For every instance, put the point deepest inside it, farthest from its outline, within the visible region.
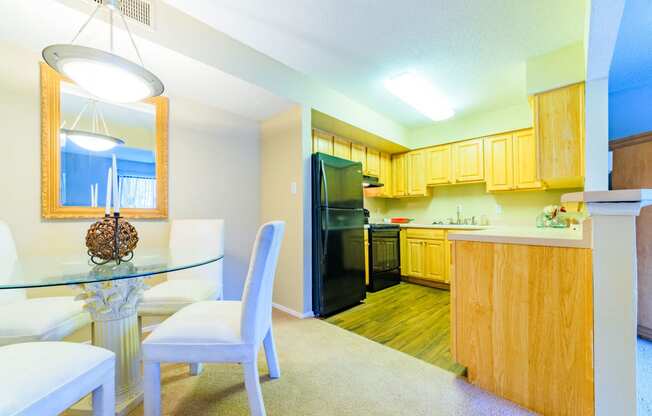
(341, 148)
(469, 161)
(373, 162)
(439, 169)
(416, 173)
(399, 182)
(526, 160)
(499, 165)
(511, 161)
(559, 130)
(385, 176)
(322, 142)
(359, 154)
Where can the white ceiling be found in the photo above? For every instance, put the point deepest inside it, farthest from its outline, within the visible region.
(182, 76)
(474, 51)
(632, 60)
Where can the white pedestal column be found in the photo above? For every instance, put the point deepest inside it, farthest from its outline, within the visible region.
(615, 295)
(114, 309)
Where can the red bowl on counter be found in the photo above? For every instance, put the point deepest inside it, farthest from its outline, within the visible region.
(400, 220)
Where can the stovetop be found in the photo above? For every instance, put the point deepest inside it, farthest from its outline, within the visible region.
(384, 226)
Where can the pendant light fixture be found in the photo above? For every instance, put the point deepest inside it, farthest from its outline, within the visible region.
(93, 140)
(104, 74)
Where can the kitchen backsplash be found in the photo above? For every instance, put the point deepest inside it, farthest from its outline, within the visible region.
(510, 208)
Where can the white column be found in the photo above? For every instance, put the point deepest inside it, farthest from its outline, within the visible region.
(615, 275)
(113, 306)
(614, 308)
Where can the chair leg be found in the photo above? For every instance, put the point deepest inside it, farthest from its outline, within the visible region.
(152, 373)
(270, 354)
(196, 368)
(254, 393)
(104, 397)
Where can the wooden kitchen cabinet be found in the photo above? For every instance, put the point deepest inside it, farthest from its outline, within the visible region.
(439, 166)
(499, 162)
(341, 148)
(385, 176)
(526, 160)
(373, 162)
(322, 142)
(366, 257)
(425, 252)
(468, 158)
(435, 260)
(511, 161)
(359, 154)
(399, 183)
(559, 129)
(416, 175)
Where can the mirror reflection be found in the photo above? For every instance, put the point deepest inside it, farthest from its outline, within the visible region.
(91, 132)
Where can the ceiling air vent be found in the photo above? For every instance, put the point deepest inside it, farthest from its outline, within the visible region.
(136, 10)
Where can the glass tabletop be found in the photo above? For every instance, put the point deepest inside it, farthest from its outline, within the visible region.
(44, 271)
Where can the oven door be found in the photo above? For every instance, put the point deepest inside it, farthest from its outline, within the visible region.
(385, 251)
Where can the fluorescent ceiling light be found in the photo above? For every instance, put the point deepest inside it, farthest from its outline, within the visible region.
(420, 94)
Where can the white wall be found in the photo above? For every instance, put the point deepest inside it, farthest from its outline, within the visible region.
(214, 162)
(282, 165)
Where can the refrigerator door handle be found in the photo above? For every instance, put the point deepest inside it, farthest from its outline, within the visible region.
(325, 182)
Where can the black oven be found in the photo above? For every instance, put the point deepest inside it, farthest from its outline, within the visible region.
(384, 256)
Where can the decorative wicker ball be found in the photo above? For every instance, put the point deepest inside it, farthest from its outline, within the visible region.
(100, 240)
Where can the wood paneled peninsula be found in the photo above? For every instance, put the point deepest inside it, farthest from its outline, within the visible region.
(522, 315)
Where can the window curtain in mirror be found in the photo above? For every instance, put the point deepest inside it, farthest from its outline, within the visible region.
(137, 192)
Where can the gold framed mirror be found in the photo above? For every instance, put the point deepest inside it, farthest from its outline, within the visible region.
(74, 171)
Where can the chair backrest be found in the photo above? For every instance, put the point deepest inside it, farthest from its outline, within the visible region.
(259, 286)
(8, 257)
(201, 238)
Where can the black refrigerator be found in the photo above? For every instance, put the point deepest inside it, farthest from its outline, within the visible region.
(337, 234)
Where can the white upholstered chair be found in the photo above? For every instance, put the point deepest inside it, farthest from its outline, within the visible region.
(183, 287)
(36, 319)
(46, 378)
(222, 331)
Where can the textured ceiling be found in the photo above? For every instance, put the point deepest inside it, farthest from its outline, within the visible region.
(473, 51)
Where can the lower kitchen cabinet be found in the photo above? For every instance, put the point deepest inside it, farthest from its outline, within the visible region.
(425, 254)
(366, 257)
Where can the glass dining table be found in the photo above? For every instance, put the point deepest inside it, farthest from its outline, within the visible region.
(111, 294)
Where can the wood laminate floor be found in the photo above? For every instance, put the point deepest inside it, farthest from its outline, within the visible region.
(410, 318)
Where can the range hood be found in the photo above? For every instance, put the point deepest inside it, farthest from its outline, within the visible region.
(371, 182)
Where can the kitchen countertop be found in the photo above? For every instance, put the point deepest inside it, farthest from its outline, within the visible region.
(446, 226)
(579, 237)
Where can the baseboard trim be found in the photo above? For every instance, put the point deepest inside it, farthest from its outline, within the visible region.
(293, 312)
(429, 283)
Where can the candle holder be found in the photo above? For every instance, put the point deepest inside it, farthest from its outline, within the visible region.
(112, 238)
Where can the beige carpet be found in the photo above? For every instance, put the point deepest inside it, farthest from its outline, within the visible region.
(329, 371)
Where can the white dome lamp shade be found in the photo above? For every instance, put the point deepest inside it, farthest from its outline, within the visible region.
(94, 140)
(103, 74)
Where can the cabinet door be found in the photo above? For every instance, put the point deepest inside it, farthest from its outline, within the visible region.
(434, 252)
(559, 127)
(469, 161)
(341, 148)
(416, 175)
(450, 257)
(526, 175)
(415, 257)
(373, 162)
(322, 142)
(385, 176)
(499, 163)
(438, 165)
(398, 172)
(359, 154)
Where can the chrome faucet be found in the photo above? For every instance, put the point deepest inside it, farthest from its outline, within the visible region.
(459, 214)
